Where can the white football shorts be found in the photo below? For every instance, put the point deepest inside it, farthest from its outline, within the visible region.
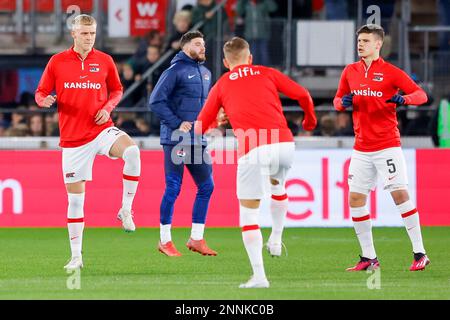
(77, 162)
(365, 167)
(259, 165)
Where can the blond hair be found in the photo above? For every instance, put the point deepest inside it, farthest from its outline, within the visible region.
(83, 20)
(182, 15)
(235, 48)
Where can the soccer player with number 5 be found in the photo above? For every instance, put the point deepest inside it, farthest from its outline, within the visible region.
(372, 87)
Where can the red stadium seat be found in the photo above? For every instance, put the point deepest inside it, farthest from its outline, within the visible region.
(7, 5)
(85, 5)
(47, 6)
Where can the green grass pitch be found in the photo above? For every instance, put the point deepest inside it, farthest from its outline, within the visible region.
(128, 266)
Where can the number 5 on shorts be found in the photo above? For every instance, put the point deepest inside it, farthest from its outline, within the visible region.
(390, 164)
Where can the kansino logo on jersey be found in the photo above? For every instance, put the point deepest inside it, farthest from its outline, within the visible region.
(367, 93)
(82, 85)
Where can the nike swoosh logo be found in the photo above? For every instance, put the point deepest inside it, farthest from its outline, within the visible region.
(82, 77)
(73, 238)
(390, 178)
(363, 85)
(191, 76)
(130, 193)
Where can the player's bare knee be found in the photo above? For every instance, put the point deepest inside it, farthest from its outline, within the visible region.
(120, 145)
(400, 196)
(76, 187)
(357, 199)
(250, 204)
(274, 182)
(278, 189)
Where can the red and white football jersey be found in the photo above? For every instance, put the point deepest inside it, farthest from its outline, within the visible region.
(83, 87)
(375, 120)
(249, 95)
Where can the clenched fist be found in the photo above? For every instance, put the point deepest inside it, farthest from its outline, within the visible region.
(186, 126)
(222, 118)
(309, 122)
(48, 101)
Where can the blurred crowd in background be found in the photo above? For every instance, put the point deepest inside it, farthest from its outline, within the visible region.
(248, 18)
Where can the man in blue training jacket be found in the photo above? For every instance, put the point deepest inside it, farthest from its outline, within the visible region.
(177, 99)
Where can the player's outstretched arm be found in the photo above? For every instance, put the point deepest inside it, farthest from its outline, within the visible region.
(295, 91)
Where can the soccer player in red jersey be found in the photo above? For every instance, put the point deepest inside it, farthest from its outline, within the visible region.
(372, 87)
(87, 89)
(249, 96)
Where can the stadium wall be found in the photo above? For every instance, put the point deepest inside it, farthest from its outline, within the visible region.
(32, 192)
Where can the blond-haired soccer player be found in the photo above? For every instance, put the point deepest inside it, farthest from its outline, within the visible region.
(87, 89)
(372, 86)
(249, 95)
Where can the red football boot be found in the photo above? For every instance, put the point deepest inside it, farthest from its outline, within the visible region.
(365, 264)
(420, 262)
(168, 249)
(201, 247)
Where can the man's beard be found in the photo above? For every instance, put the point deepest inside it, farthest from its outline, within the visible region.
(197, 57)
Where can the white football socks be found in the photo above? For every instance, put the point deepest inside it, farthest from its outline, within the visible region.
(278, 211)
(131, 173)
(253, 240)
(197, 231)
(411, 220)
(75, 222)
(363, 228)
(164, 233)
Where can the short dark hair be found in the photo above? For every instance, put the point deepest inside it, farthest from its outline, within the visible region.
(188, 36)
(372, 28)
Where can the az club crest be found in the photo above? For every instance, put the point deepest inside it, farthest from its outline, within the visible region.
(378, 77)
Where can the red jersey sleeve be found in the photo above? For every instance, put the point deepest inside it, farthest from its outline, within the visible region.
(413, 93)
(343, 90)
(46, 84)
(294, 91)
(114, 86)
(209, 111)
